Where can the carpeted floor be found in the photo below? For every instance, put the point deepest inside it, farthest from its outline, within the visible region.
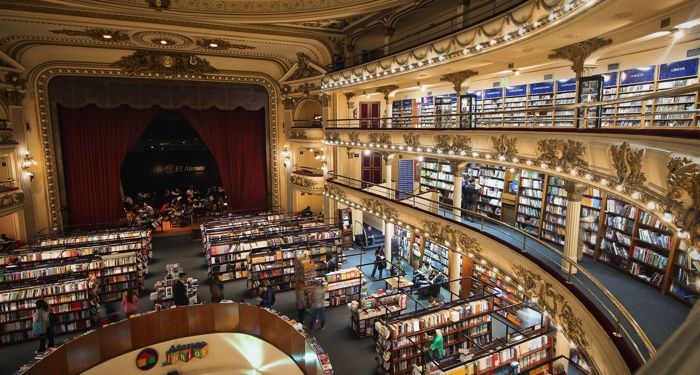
(350, 355)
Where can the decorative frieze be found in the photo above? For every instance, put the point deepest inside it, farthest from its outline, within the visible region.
(683, 197)
(380, 208)
(97, 33)
(562, 155)
(505, 146)
(297, 134)
(334, 191)
(453, 144)
(411, 140)
(628, 165)
(354, 137)
(164, 63)
(10, 201)
(220, 44)
(302, 182)
(380, 139)
(577, 53)
(451, 236)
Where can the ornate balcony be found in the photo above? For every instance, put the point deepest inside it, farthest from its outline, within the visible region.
(11, 200)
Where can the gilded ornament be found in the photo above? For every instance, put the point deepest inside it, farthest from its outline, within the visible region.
(11, 200)
(385, 90)
(628, 165)
(380, 208)
(567, 155)
(334, 191)
(114, 35)
(298, 134)
(354, 137)
(380, 139)
(306, 68)
(577, 53)
(348, 97)
(220, 44)
(164, 63)
(453, 235)
(458, 78)
(505, 146)
(683, 197)
(302, 182)
(411, 139)
(455, 143)
(332, 136)
(159, 5)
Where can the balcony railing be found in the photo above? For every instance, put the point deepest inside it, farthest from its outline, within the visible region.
(615, 315)
(580, 116)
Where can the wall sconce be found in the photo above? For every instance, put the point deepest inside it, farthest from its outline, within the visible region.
(287, 157)
(30, 175)
(28, 161)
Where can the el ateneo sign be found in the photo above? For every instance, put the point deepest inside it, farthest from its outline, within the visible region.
(170, 169)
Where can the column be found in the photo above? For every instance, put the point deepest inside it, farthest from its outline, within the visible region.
(574, 195)
(458, 178)
(17, 122)
(388, 238)
(388, 170)
(455, 260)
(288, 161)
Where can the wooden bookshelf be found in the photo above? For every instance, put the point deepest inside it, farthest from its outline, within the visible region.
(365, 312)
(492, 182)
(591, 205)
(620, 225)
(554, 219)
(566, 95)
(529, 204)
(436, 174)
(496, 282)
(438, 256)
(344, 286)
(399, 339)
(685, 276)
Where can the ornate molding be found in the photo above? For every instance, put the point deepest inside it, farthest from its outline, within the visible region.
(574, 191)
(380, 139)
(683, 197)
(411, 139)
(577, 53)
(164, 63)
(11, 201)
(379, 208)
(458, 78)
(298, 134)
(42, 76)
(220, 44)
(14, 90)
(628, 165)
(560, 154)
(302, 182)
(159, 5)
(305, 68)
(334, 191)
(289, 103)
(453, 144)
(385, 90)
(324, 99)
(348, 97)
(332, 136)
(451, 236)
(505, 146)
(546, 296)
(97, 33)
(354, 137)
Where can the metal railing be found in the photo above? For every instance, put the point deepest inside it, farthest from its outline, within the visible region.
(581, 115)
(611, 308)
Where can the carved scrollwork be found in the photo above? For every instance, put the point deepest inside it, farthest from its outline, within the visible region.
(334, 191)
(101, 34)
(289, 103)
(354, 137)
(220, 44)
(11, 200)
(302, 182)
(306, 67)
(453, 235)
(454, 143)
(545, 295)
(380, 208)
(164, 63)
(628, 165)
(385, 90)
(411, 140)
(566, 155)
(577, 53)
(505, 146)
(298, 134)
(457, 78)
(332, 136)
(683, 197)
(380, 139)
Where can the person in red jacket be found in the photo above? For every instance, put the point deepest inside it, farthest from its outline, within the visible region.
(130, 303)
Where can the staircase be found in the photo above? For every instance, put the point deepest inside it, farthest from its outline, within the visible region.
(377, 240)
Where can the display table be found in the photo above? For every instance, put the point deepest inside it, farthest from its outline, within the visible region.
(398, 282)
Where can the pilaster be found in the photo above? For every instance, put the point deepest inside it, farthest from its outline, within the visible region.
(572, 240)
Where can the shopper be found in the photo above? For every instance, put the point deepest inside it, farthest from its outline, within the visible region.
(318, 304)
(422, 272)
(41, 325)
(379, 262)
(267, 296)
(436, 350)
(471, 192)
(332, 264)
(180, 290)
(432, 302)
(130, 303)
(216, 288)
(301, 304)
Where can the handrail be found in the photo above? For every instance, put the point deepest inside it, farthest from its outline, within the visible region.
(533, 114)
(619, 316)
(109, 342)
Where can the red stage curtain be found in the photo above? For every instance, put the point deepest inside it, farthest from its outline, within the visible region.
(95, 142)
(236, 139)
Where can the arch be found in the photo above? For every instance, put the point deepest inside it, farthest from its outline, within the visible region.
(306, 111)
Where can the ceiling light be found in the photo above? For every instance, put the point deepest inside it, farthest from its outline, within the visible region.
(163, 42)
(651, 205)
(107, 36)
(678, 34)
(213, 45)
(667, 217)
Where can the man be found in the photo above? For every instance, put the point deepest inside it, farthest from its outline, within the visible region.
(379, 262)
(216, 288)
(318, 304)
(422, 272)
(470, 191)
(267, 297)
(180, 290)
(332, 264)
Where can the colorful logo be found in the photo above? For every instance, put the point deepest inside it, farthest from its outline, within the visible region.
(146, 359)
(184, 353)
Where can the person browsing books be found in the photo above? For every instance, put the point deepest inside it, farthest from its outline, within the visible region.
(130, 303)
(216, 288)
(180, 290)
(436, 349)
(267, 297)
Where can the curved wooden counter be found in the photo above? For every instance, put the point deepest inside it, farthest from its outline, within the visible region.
(135, 333)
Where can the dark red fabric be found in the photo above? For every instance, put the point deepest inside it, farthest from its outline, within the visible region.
(94, 143)
(236, 139)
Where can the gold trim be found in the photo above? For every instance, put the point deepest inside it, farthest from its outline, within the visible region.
(628, 166)
(505, 146)
(162, 63)
(564, 154)
(451, 236)
(683, 197)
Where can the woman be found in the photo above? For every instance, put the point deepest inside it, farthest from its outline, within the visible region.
(379, 262)
(130, 303)
(216, 288)
(41, 325)
(437, 350)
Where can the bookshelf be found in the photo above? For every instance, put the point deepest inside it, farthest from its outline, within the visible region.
(163, 297)
(651, 249)
(609, 112)
(566, 95)
(685, 279)
(403, 108)
(516, 100)
(344, 286)
(492, 100)
(404, 240)
(541, 94)
(435, 174)
(554, 219)
(274, 269)
(620, 225)
(120, 273)
(400, 339)
(365, 312)
(591, 205)
(496, 282)
(676, 110)
(438, 256)
(229, 260)
(634, 82)
(445, 105)
(521, 355)
(529, 204)
(73, 299)
(427, 108)
(492, 181)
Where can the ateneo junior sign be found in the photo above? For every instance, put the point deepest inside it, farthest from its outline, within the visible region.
(170, 169)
